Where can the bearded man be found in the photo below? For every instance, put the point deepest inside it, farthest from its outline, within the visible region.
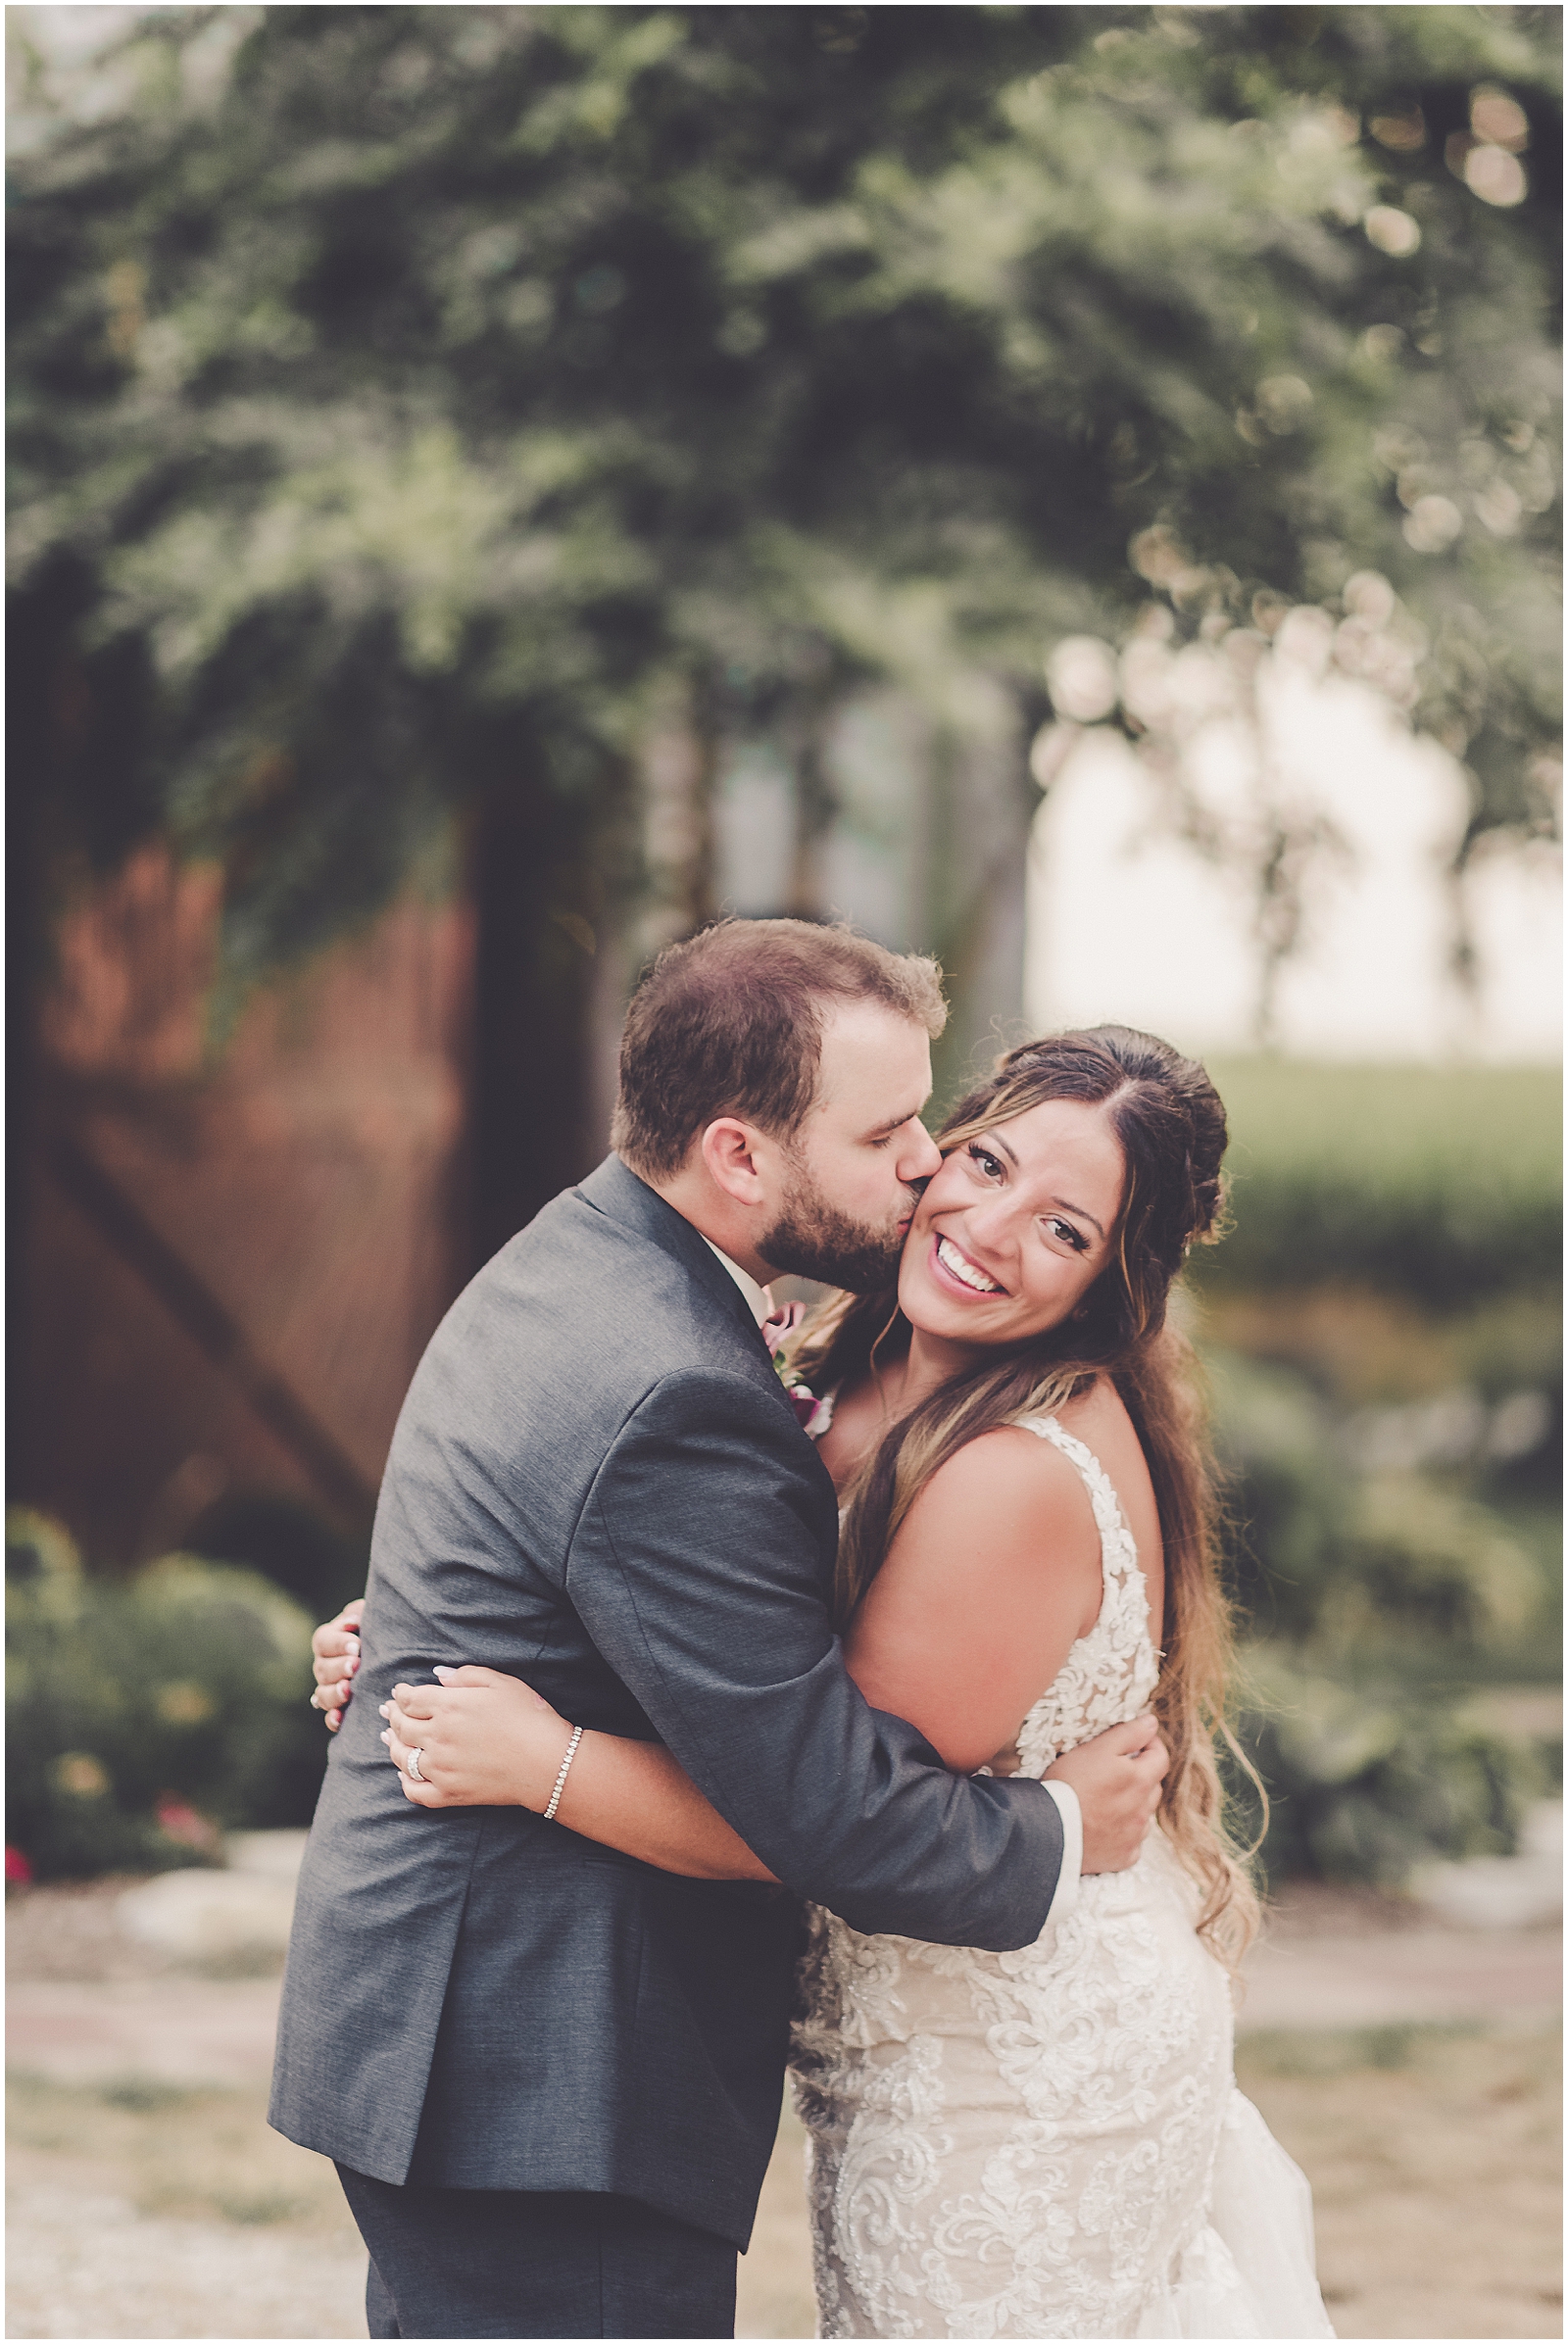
(550, 2074)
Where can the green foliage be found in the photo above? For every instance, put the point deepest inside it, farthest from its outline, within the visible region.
(1422, 1561)
(1370, 1600)
(1441, 1185)
(403, 399)
(1400, 1570)
(144, 1715)
(1367, 1779)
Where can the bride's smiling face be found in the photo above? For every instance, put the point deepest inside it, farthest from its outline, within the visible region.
(1015, 1228)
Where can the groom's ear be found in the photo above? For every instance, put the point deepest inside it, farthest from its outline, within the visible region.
(729, 1155)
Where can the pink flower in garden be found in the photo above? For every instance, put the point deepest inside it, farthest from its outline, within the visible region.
(180, 1821)
(19, 1872)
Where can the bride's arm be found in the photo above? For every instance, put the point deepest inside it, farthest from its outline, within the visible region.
(505, 1750)
(488, 1740)
(993, 1574)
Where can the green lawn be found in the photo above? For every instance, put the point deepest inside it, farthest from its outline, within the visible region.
(1442, 1184)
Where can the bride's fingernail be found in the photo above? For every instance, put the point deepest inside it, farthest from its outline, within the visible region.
(444, 1673)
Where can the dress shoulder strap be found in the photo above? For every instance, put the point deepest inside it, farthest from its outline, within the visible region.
(1117, 1546)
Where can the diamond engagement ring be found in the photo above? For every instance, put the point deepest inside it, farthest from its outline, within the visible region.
(414, 1767)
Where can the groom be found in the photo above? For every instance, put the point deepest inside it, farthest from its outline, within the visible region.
(550, 2074)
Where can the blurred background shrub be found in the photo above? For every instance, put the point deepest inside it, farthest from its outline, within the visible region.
(1369, 1778)
(145, 1716)
(1381, 1335)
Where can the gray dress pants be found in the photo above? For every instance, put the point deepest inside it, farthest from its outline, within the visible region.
(535, 2262)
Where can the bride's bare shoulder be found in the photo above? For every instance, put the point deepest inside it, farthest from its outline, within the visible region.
(1099, 1418)
(1008, 1474)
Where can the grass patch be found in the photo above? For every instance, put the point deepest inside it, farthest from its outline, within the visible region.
(145, 2095)
(1342, 2051)
(264, 2206)
(200, 2153)
(1443, 1185)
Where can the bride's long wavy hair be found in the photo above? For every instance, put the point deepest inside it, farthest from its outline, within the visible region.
(1170, 1126)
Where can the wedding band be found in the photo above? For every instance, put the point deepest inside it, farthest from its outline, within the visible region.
(414, 1767)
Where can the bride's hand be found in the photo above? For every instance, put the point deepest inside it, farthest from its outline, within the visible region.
(336, 1648)
(485, 1740)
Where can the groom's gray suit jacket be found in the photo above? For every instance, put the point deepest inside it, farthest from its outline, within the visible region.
(598, 1484)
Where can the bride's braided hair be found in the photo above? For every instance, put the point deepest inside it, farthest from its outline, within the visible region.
(1170, 1126)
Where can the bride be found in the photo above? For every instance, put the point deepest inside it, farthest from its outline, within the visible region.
(1048, 2143)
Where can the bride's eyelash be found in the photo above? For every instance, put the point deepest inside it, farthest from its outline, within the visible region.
(983, 1157)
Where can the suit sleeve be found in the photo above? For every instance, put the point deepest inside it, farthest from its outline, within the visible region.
(697, 1571)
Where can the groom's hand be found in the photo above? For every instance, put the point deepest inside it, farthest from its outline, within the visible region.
(1117, 1778)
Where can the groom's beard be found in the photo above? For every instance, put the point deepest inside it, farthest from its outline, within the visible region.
(813, 1239)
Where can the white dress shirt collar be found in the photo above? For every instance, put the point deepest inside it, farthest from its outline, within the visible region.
(758, 1300)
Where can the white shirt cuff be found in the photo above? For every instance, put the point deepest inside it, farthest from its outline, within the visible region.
(1072, 1850)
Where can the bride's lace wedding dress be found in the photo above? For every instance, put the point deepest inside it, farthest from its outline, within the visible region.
(1050, 2142)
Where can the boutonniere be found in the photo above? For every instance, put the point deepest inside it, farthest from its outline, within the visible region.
(777, 1328)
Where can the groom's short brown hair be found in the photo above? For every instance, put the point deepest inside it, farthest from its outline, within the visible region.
(730, 1023)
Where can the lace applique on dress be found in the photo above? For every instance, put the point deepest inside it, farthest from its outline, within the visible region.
(1110, 1673)
(1025, 2144)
